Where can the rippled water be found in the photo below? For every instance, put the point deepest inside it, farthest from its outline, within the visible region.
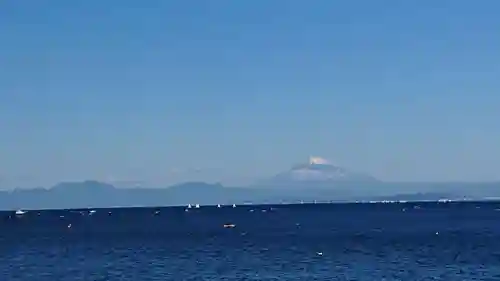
(453, 241)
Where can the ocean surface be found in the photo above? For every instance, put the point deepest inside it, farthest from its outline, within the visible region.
(410, 241)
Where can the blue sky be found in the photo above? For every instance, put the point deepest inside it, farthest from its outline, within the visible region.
(167, 91)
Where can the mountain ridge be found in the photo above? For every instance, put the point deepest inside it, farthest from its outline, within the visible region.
(318, 180)
(95, 194)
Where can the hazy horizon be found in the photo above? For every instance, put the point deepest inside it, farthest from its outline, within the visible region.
(229, 91)
(225, 183)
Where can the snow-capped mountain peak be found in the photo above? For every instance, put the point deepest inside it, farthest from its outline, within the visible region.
(313, 160)
(317, 171)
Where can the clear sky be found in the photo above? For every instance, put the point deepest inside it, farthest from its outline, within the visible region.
(167, 91)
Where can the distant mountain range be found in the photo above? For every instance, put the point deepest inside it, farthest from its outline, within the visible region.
(93, 194)
(317, 180)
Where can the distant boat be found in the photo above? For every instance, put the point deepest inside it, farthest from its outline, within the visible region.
(218, 205)
(234, 205)
(20, 212)
(197, 206)
(189, 206)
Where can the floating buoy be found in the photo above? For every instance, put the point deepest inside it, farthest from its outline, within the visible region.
(229, 225)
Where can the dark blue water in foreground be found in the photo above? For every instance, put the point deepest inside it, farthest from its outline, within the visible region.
(417, 241)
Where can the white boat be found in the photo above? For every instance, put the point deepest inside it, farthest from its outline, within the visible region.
(218, 205)
(20, 212)
(189, 206)
(197, 206)
(234, 205)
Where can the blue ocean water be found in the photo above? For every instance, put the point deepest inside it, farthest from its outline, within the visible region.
(411, 241)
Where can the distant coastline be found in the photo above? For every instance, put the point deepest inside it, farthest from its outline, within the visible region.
(95, 194)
